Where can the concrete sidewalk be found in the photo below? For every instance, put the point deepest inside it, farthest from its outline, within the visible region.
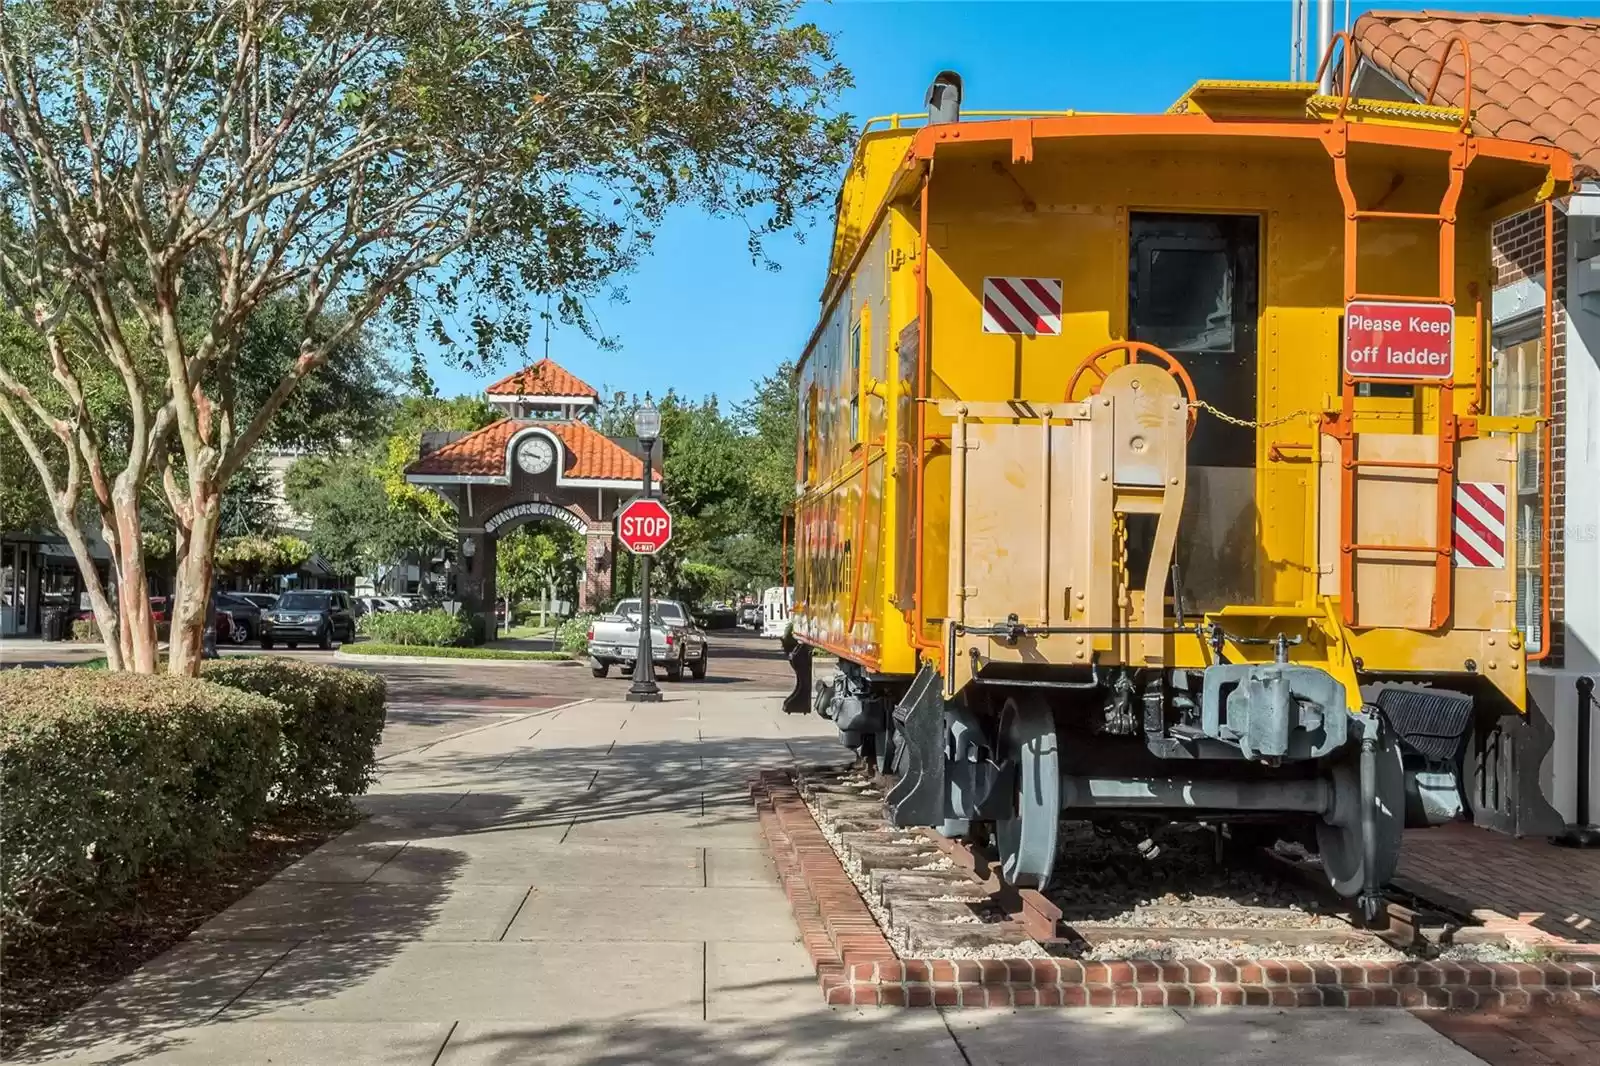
(586, 885)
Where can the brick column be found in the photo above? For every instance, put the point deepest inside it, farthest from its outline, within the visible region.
(475, 580)
(595, 588)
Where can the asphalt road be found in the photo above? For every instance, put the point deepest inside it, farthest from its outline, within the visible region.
(444, 698)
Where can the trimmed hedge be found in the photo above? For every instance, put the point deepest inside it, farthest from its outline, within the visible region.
(439, 629)
(332, 722)
(426, 652)
(106, 774)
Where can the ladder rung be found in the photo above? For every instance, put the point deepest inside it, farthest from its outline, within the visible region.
(1428, 549)
(1421, 216)
(1376, 296)
(1397, 464)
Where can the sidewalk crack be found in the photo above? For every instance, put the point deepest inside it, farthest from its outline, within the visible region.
(514, 914)
(440, 1053)
(256, 979)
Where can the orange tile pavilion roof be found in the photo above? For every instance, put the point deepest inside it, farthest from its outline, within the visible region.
(544, 378)
(483, 453)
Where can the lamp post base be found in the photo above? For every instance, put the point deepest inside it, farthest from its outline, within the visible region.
(1578, 836)
(648, 693)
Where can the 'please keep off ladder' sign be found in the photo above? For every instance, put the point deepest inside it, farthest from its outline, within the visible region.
(1391, 340)
(1399, 340)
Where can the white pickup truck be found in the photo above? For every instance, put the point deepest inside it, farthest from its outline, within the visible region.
(677, 643)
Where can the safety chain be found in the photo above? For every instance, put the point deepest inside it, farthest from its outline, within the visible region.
(1246, 423)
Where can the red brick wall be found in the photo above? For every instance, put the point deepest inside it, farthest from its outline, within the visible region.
(1518, 250)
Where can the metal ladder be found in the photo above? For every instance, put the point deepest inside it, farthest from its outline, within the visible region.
(1342, 425)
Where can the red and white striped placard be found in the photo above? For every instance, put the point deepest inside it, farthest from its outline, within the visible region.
(1029, 306)
(1480, 525)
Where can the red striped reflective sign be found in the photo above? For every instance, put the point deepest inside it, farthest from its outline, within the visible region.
(1030, 307)
(1480, 525)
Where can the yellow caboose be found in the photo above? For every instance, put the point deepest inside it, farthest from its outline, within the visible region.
(1145, 469)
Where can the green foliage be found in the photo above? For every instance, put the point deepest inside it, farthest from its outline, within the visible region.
(248, 505)
(332, 720)
(106, 774)
(363, 513)
(425, 651)
(433, 628)
(531, 559)
(572, 636)
(728, 479)
(257, 555)
(352, 527)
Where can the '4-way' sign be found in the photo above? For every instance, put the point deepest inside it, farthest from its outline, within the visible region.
(644, 526)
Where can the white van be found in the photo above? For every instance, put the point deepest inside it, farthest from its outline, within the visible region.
(775, 606)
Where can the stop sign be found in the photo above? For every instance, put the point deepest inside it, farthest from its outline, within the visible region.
(644, 526)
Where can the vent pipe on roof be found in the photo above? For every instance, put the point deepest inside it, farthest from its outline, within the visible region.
(944, 98)
(1298, 38)
(1324, 40)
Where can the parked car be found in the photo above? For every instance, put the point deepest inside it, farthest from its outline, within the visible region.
(160, 609)
(264, 600)
(676, 642)
(375, 604)
(303, 616)
(244, 617)
(750, 616)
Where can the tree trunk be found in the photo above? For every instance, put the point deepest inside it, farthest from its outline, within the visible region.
(196, 568)
(105, 612)
(138, 638)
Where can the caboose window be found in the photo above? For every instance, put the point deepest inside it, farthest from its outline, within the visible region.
(855, 384)
(1186, 297)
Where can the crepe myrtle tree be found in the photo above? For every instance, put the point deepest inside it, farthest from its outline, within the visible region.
(167, 167)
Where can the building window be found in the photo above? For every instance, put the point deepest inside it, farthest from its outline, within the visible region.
(1516, 391)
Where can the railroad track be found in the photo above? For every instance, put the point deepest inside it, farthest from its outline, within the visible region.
(935, 895)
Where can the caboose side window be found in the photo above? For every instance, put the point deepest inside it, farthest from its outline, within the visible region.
(808, 471)
(1515, 391)
(855, 384)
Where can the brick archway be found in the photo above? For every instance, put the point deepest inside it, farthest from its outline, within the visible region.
(543, 462)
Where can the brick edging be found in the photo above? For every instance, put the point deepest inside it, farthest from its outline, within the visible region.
(855, 963)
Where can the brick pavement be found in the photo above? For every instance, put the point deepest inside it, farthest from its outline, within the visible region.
(1530, 888)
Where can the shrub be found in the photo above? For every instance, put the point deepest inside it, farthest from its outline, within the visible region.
(573, 634)
(105, 774)
(332, 722)
(438, 628)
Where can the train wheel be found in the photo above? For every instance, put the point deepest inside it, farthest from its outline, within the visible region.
(1027, 841)
(1340, 836)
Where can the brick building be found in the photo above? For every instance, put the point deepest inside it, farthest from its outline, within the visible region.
(1535, 79)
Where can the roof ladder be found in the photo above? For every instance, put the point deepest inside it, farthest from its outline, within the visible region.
(1342, 426)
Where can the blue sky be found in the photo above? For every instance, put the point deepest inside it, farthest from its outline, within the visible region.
(700, 317)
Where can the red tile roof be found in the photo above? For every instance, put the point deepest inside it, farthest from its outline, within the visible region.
(543, 378)
(1534, 78)
(591, 453)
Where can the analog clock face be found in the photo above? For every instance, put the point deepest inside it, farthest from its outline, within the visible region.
(535, 455)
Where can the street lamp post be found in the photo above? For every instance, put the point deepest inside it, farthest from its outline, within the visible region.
(647, 425)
